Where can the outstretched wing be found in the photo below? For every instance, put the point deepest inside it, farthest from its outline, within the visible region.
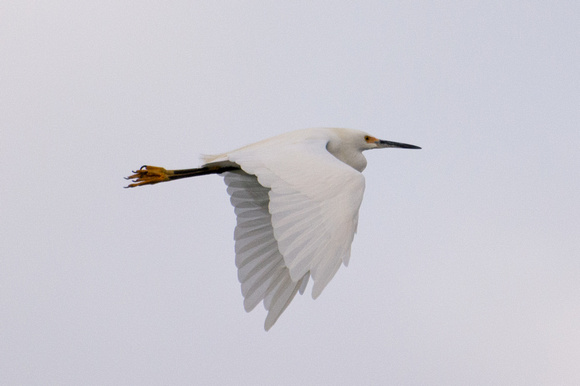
(261, 268)
(314, 200)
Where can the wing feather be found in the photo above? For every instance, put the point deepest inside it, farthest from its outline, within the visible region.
(297, 212)
(262, 272)
(314, 200)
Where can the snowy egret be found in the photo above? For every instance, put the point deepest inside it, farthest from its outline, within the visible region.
(296, 198)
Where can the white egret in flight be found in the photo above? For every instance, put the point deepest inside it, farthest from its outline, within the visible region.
(296, 198)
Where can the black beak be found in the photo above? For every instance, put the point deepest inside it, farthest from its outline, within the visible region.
(382, 143)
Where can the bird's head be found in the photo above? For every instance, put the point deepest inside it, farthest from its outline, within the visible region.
(355, 140)
(347, 145)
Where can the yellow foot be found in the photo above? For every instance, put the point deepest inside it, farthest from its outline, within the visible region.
(148, 175)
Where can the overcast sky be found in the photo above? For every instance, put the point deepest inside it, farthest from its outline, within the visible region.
(466, 266)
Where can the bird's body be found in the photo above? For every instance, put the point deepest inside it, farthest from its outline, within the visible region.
(296, 198)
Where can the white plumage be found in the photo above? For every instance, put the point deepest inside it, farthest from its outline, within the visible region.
(296, 198)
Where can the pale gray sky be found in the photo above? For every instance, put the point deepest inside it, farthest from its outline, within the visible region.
(466, 267)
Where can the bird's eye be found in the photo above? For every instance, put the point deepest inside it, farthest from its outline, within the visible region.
(367, 138)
